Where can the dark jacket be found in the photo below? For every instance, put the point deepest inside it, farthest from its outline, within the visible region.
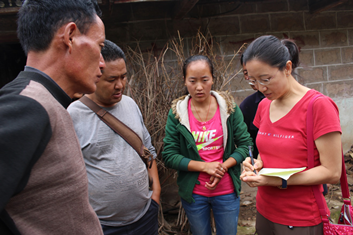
(249, 108)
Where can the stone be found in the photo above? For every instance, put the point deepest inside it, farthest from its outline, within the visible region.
(231, 44)
(312, 74)
(224, 26)
(287, 21)
(339, 89)
(254, 23)
(306, 58)
(344, 19)
(334, 38)
(324, 20)
(306, 40)
(350, 36)
(347, 55)
(245, 203)
(327, 56)
(340, 72)
(185, 27)
(146, 31)
(316, 86)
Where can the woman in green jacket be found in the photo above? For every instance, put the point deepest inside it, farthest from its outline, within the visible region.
(206, 139)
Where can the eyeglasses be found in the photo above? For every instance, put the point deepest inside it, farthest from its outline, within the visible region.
(264, 82)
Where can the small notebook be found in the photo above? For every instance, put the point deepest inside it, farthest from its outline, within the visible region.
(283, 173)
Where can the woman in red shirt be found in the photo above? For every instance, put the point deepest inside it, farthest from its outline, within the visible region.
(289, 207)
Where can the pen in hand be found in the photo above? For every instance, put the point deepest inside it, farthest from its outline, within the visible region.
(251, 157)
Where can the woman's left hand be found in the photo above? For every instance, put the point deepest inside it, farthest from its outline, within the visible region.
(250, 178)
(212, 184)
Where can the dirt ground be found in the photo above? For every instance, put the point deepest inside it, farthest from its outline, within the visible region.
(174, 221)
(246, 221)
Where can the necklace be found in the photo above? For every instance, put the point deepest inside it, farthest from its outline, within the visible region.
(204, 128)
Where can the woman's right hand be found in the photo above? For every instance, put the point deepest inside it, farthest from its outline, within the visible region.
(212, 184)
(215, 169)
(248, 167)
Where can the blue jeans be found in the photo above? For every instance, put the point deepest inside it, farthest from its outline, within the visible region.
(225, 210)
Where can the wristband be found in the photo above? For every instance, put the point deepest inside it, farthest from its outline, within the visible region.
(284, 184)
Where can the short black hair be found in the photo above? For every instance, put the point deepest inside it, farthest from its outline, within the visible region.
(273, 51)
(197, 58)
(38, 20)
(112, 52)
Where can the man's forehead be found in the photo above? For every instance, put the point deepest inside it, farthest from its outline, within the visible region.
(97, 28)
(120, 62)
(115, 68)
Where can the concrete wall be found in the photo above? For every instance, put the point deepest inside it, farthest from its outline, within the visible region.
(325, 40)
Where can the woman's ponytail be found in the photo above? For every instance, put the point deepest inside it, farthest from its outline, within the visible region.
(293, 51)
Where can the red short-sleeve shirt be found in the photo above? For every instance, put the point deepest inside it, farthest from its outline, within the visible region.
(283, 144)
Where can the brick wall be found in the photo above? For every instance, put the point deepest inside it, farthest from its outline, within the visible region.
(325, 40)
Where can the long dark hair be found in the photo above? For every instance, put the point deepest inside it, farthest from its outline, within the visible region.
(273, 51)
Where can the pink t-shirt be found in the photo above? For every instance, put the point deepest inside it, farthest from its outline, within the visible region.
(209, 142)
(282, 144)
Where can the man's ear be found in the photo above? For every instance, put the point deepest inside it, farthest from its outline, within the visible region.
(70, 31)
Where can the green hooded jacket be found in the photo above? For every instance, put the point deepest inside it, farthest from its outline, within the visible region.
(180, 147)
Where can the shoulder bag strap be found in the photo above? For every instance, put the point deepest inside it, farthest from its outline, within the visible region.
(310, 145)
(116, 125)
